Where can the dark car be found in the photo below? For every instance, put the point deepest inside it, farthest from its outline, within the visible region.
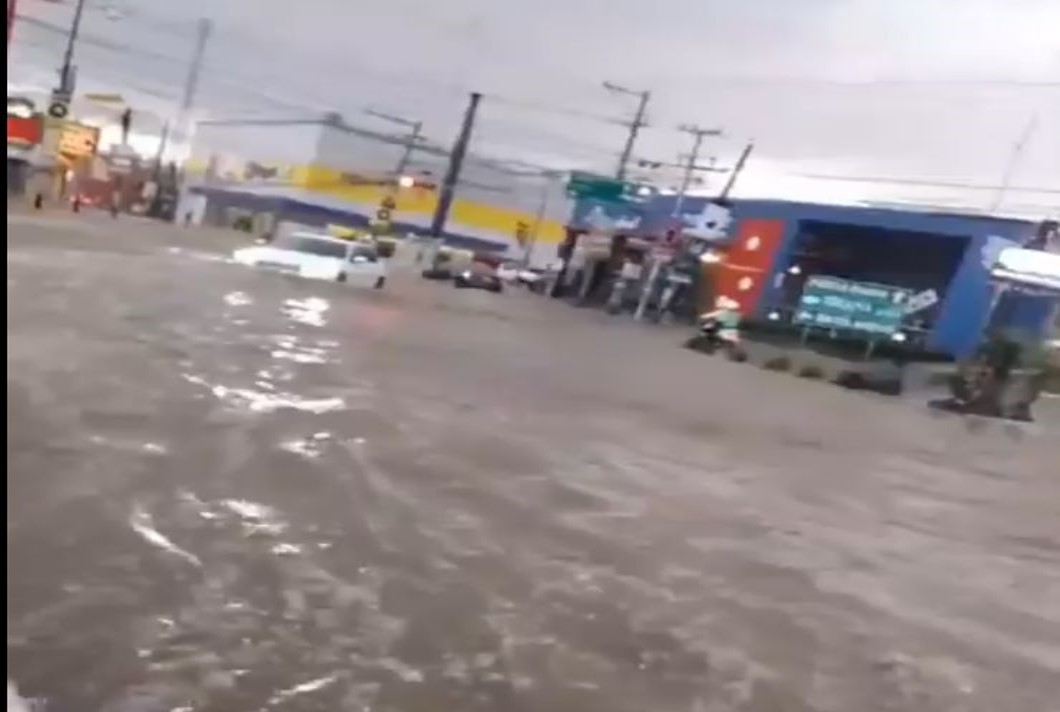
(442, 274)
(479, 279)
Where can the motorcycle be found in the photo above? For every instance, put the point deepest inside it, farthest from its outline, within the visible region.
(710, 338)
(706, 338)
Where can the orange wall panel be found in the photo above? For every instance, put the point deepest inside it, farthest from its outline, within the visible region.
(749, 261)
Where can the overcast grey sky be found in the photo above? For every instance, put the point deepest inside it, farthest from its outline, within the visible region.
(922, 89)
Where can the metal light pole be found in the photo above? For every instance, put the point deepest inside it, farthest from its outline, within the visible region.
(634, 127)
(66, 72)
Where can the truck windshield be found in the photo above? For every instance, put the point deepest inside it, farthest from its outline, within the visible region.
(312, 246)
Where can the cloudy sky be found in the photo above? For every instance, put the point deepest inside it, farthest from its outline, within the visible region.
(938, 91)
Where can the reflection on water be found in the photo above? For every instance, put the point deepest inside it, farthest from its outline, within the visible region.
(238, 299)
(310, 447)
(309, 311)
(266, 402)
(301, 689)
(143, 524)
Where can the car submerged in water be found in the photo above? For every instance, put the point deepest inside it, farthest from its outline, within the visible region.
(314, 256)
(479, 276)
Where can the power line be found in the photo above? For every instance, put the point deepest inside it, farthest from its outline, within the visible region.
(553, 109)
(896, 82)
(411, 141)
(923, 182)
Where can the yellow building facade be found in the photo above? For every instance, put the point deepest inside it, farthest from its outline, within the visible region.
(352, 169)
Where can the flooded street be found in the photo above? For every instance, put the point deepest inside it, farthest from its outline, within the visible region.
(231, 491)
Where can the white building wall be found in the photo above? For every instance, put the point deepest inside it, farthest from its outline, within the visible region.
(229, 146)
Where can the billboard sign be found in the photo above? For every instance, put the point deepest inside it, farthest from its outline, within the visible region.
(846, 305)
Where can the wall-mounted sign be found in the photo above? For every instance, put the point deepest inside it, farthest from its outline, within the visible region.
(78, 141)
(845, 305)
(24, 131)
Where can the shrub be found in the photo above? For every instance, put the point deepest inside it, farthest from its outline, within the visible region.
(779, 363)
(813, 372)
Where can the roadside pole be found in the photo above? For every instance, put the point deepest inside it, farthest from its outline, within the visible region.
(542, 207)
(736, 171)
(414, 137)
(634, 127)
(410, 146)
(452, 175)
(698, 134)
(66, 72)
(10, 23)
(649, 286)
(652, 283)
(203, 30)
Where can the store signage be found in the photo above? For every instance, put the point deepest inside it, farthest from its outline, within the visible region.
(24, 131)
(711, 223)
(78, 140)
(1030, 269)
(609, 190)
(846, 305)
(921, 301)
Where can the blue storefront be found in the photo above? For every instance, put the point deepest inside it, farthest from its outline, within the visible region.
(948, 254)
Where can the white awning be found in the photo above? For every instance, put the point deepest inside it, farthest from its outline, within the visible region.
(1029, 269)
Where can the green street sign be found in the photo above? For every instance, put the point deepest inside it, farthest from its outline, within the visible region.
(845, 305)
(594, 187)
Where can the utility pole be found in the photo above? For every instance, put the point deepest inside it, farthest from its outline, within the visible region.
(737, 169)
(698, 134)
(66, 72)
(547, 176)
(411, 141)
(1013, 161)
(452, 173)
(10, 23)
(178, 129)
(203, 30)
(634, 127)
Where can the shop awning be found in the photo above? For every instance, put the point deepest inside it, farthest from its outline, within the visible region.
(1031, 270)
